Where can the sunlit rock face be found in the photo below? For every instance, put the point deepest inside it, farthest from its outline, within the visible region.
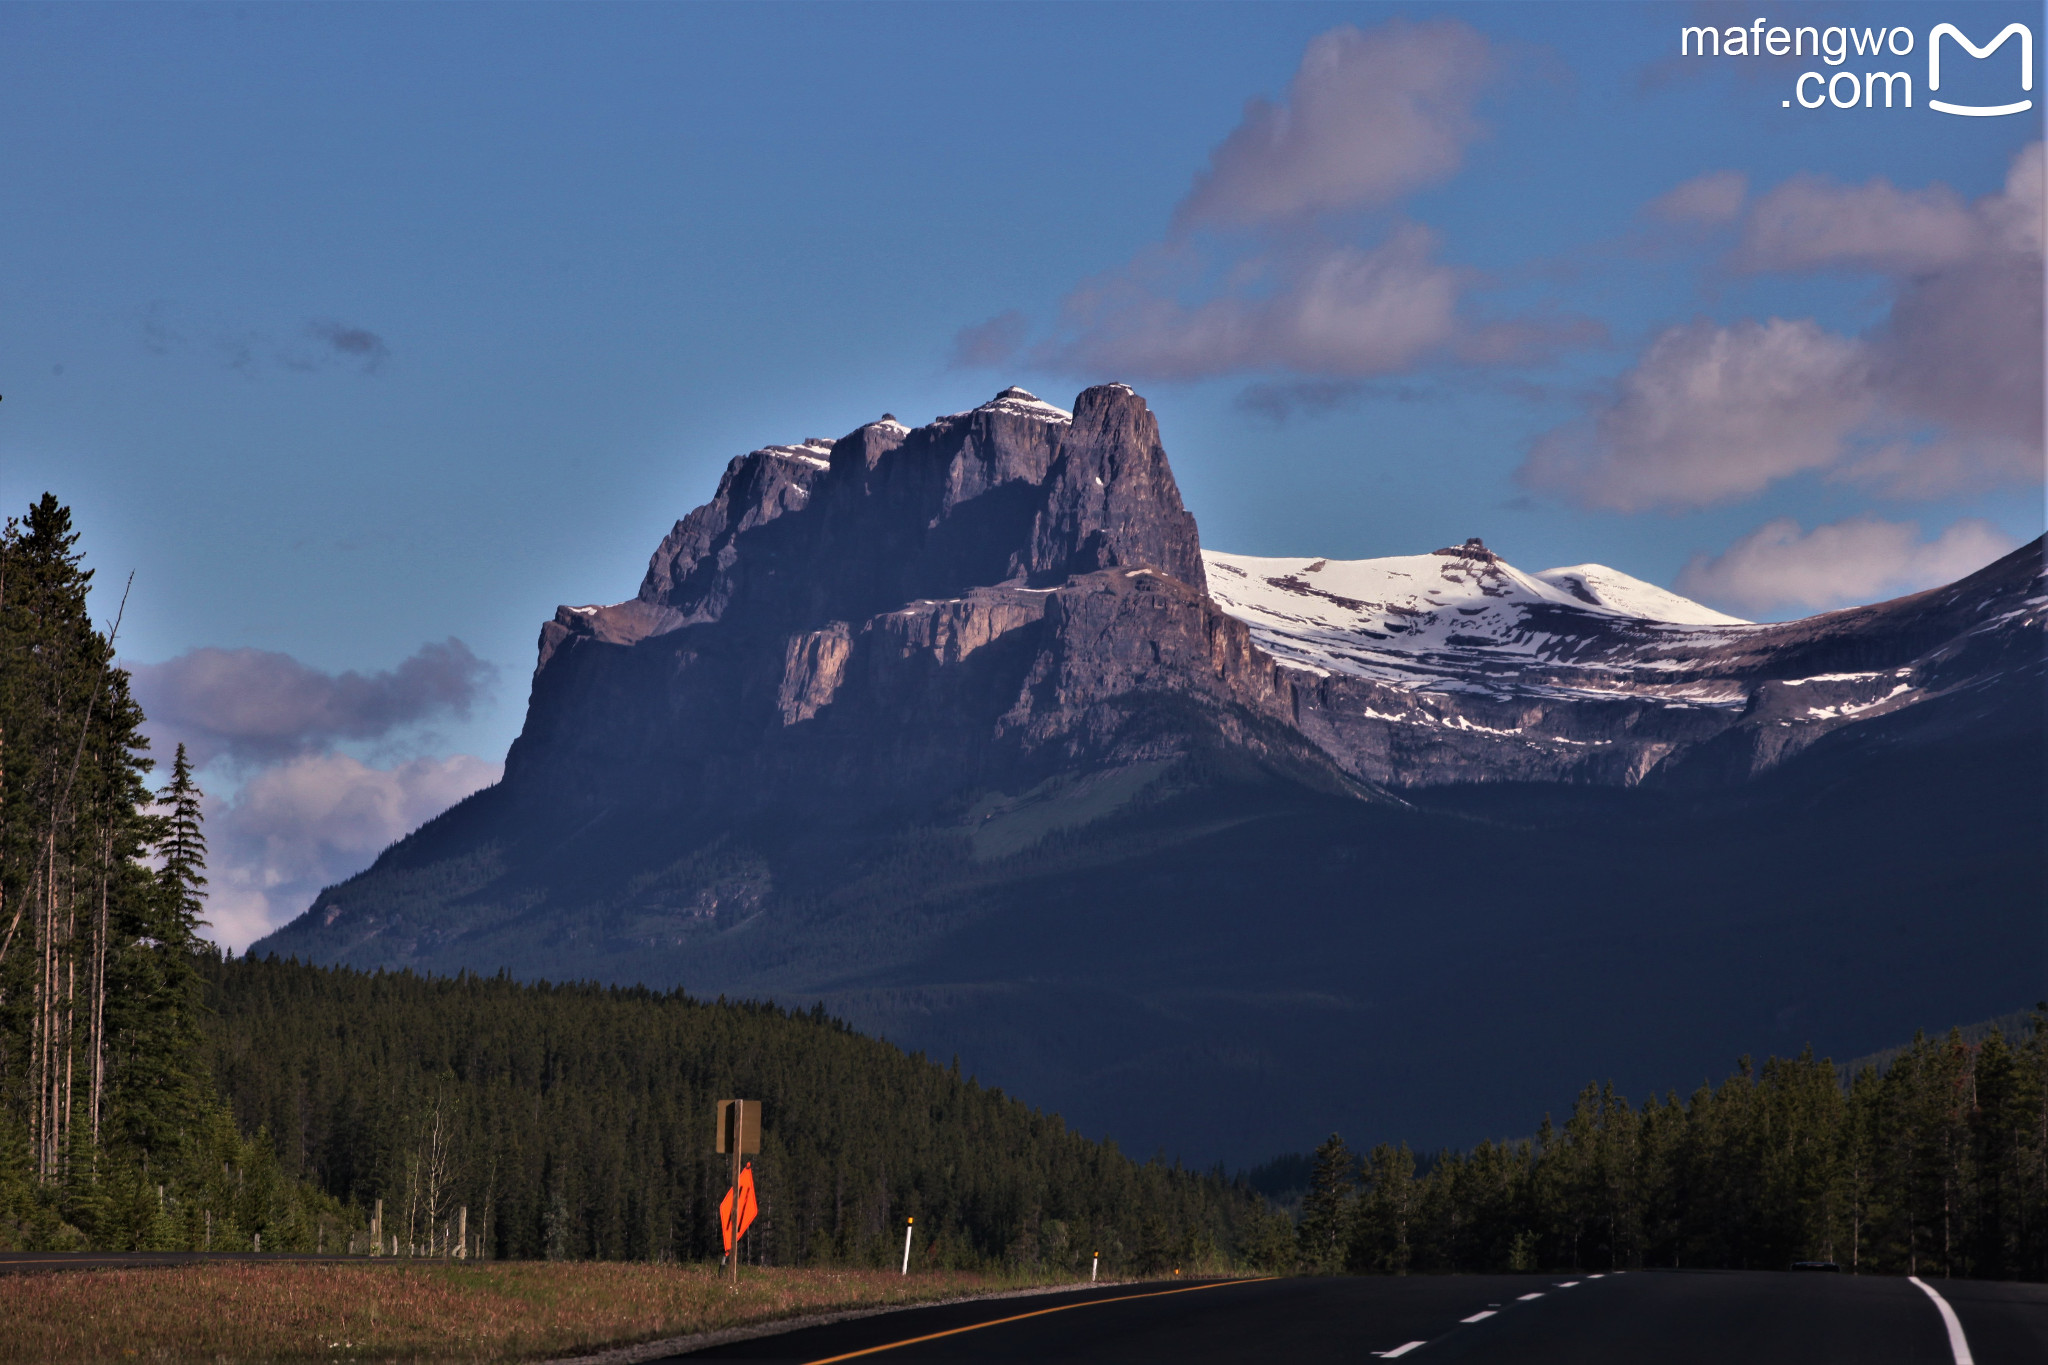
(898, 614)
(906, 612)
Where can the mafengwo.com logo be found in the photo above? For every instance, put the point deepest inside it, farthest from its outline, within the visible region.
(1869, 48)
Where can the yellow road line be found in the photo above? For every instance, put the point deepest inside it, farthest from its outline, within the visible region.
(1039, 1313)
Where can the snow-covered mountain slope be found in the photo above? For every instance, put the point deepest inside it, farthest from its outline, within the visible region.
(1452, 619)
(1456, 666)
(1601, 586)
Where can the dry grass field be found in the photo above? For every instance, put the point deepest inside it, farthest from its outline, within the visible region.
(235, 1312)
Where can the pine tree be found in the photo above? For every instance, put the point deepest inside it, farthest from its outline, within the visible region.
(1383, 1239)
(1325, 1231)
(68, 831)
(183, 848)
(161, 1087)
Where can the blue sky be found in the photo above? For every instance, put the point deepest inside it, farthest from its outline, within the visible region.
(352, 329)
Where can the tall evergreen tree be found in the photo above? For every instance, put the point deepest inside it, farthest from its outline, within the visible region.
(108, 1126)
(1325, 1231)
(162, 1088)
(183, 849)
(1382, 1239)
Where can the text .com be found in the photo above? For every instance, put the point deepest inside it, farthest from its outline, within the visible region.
(1861, 89)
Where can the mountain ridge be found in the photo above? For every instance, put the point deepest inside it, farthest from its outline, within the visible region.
(958, 730)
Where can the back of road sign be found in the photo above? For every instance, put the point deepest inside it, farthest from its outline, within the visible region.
(749, 1117)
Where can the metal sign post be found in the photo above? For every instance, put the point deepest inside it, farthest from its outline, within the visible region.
(738, 1131)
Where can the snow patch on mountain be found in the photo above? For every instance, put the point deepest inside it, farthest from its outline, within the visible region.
(815, 452)
(1463, 619)
(1018, 403)
(1597, 585)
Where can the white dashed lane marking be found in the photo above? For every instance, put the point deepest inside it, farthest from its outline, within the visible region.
(1492, 1310)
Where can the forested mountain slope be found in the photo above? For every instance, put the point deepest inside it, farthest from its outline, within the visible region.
(577, 1121)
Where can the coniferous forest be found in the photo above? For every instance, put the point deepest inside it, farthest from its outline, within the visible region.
(1938, 1165)
(577, 1121)
(154, 1094)
(111, 1132)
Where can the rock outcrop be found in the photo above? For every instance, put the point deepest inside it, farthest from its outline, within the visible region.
(1016, 589)
(898, 614)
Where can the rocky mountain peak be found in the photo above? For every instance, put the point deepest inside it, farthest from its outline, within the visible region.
(834, 530)
(1474, 549)
(1112, 499)
(985, 578)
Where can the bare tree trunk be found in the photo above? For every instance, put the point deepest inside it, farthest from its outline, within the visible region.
(70, 1051)
(412, 1192)
(54, 1121)
(7, 942)
(46, 1014)
(432, 1166)
(34, 889)
(99, 990)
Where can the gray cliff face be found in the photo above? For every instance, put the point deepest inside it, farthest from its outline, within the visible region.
(895, 616)
(1112, 501)
(905, 612)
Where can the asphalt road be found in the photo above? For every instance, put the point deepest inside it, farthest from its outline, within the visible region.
(1670, 1317)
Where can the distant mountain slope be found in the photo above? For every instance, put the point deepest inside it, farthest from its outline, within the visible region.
(1435, 617)
(1457, 667)
(958, 729)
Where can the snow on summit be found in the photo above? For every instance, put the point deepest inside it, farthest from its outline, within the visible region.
(1429, 620)
(1601, 586)
(1020, 403)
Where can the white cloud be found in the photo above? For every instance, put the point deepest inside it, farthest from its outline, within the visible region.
(991, 343)
(1314, 307)
(1711, 414)
(1368, 118)
(1779, 567)
(1715, 197)
(1809, 223)
(2019, 217)
(256, 705)
(313, 820)
(1943, 397)
(1286, 255)
(1962, 348)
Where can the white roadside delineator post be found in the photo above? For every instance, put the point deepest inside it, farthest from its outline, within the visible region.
(1094, 1266)
(906, 1244)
